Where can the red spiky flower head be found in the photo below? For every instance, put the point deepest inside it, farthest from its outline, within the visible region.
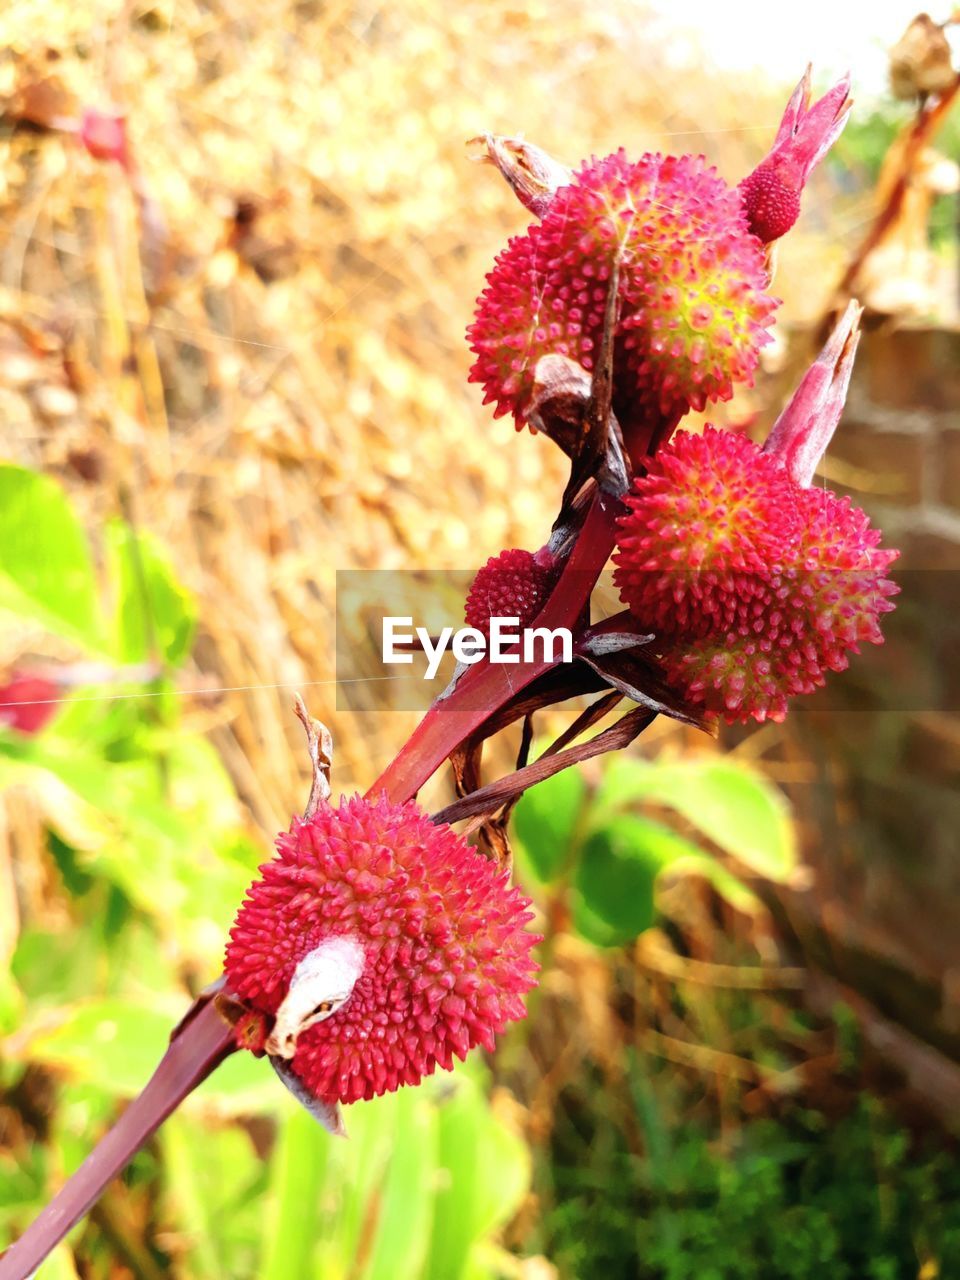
(771, 194)
(383, 945)
(755, 585)
(514, 584)
(692, 306)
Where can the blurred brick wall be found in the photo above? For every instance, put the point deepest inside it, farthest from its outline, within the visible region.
(880, 797)
(902, 432)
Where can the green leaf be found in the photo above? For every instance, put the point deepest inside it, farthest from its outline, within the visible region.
(296, 1182)
(11, 1003)
(358, 1168)
(59, 1265)
(505, 1169)
(85, 1111)
(545, 820)
(56, 968)
(197, 780)
(215, 1192)
(735, 806)
(153, 610)
(77, 822)
(615, 877)
(593, 927)
(725, 882)
(189, 1204)
(24, 1169)
(46, 573)
(459, 1137)
(116, 1042)
(243, 1085)
(486, 1173)
(166, 837)
(406, 1216)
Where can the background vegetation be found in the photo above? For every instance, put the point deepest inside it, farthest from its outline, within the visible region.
(220, 384)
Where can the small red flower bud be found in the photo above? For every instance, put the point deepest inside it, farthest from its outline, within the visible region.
(771, 203)
(422, 942)
(104, 134)
(514, 584)
(693, 311)
(250, 1032)
(771, 194)
(28, 703)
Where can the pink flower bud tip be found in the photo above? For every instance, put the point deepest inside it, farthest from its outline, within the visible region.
(514, 584)
(28, 703)
(771, 194)
(803, 431)
(533, 174)
(418, 943)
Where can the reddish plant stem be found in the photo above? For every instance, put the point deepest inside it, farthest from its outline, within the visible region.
(486, 800)
(485, 688)
(201, 1043)
(197, 1049)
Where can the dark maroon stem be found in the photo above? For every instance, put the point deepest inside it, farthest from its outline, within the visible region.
(486, 800)
(482, 690)
(196, 1050)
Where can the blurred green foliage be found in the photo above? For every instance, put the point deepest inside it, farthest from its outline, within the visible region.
(800, 1197)
(636, 1180)
(606, 848)
(146, 842)
(152, 859)
(426, 1178)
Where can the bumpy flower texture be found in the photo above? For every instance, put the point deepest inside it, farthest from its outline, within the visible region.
(693, 311)
(441, 935)
(755, 584)
(514, 584)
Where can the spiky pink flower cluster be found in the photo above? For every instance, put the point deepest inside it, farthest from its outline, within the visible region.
(693, 309)
(446, 952)
(755, 585)
(514, 584)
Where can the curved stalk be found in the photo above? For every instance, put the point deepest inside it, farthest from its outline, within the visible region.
(484, 689)
(196, 1050)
